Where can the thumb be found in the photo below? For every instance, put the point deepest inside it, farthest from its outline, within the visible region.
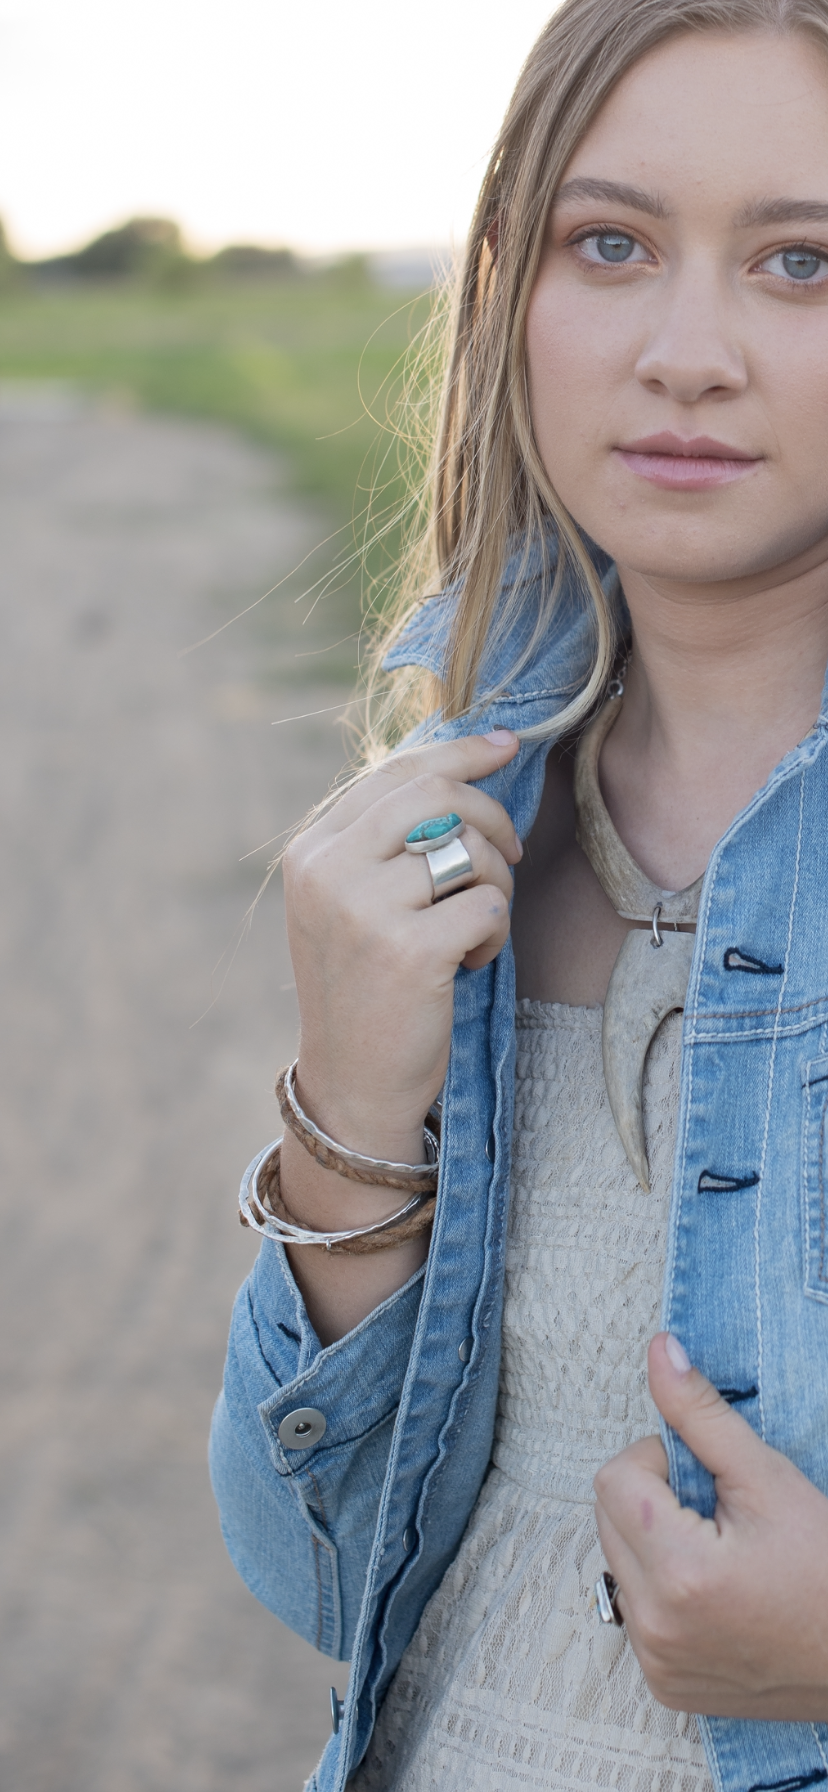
(724, 1442)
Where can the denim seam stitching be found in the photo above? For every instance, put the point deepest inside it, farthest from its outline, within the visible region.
(315, 1542)
(711, 1752)
(815, 1281)
(760, 1341)
(816, 1738)
(701, 950)
(757, 1013)
(804, 1185)
(723, 1038)
(821, 1194)
(319, 1500)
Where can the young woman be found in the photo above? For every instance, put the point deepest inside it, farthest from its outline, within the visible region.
(636, 731)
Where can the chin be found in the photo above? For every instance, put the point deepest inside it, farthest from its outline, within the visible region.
(698, 560)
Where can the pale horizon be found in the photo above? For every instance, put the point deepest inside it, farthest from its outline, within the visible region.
(327, 129)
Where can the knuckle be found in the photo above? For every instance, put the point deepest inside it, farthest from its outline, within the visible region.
(687, 1584)
(439, 789)
(602, 1482)
(316, 890)
(661, 1686)
(413, 762)
(709, 1401)
(292, 856)
(653, 1637)
(498, 901)
(490, 908)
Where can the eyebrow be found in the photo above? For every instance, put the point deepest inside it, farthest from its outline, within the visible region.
(616, 193)
(756, 213)
(782, 211)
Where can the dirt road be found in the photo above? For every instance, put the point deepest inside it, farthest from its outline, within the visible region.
(132, 783)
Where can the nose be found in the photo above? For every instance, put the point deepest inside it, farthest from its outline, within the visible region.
(693, 351)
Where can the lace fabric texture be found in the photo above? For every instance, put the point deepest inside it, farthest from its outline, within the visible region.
(510, 1680)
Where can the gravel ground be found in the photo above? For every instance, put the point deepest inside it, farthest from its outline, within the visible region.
(133, 781)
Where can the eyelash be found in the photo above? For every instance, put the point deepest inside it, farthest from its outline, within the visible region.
(808, 249)
(595, 231)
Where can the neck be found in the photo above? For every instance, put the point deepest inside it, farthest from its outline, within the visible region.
(723, 681)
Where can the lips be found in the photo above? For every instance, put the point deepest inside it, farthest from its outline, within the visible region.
(685, 448)
(692, 463)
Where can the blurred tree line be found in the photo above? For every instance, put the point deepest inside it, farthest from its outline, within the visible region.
(151, 250)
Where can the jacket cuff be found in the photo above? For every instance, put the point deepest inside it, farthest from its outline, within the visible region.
(275, 1364)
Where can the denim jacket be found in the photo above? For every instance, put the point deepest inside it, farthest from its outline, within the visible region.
(347, 1538)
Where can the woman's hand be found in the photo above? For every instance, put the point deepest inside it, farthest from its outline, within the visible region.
(374, 959)
(728, 1616)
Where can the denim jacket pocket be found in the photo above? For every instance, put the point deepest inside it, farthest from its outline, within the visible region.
(815, 1178)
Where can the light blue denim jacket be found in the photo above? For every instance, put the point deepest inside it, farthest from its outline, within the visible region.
(346, 1540)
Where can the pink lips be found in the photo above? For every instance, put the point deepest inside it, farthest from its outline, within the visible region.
(692, 464)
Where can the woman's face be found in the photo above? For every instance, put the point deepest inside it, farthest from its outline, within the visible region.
(677, 335)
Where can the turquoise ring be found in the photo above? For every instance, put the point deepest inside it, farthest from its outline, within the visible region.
(437, 831)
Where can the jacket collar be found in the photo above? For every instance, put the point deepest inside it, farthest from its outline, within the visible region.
(561, 662)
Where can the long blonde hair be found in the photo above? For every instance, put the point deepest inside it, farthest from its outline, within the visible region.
(487, 486)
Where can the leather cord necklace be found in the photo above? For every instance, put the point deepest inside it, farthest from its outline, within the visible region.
(652, 970)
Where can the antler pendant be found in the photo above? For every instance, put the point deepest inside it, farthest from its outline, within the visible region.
(647, 983)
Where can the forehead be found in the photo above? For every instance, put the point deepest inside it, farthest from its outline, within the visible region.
(713, 117)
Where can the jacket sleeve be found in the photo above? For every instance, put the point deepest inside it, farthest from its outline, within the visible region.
(299, 1524)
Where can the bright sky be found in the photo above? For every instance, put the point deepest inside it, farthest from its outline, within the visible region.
(326, 124)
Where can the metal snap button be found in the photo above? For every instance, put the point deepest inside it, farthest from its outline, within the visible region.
(409, 1538)
(302, 1428)
(491, 1145)
(337, 1710)
(464, 1350)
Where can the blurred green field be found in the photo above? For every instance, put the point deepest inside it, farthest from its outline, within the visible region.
(310, 364)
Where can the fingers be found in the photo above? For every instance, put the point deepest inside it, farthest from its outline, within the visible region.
(721, 1439)
(633, 1495)
(621, 1562)
(457, 762)
(407, 879)
(469, 927)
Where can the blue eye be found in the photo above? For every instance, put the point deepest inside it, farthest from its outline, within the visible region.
(613, 246)
(801, 264)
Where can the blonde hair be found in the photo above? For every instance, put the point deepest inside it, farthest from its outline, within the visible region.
(487, 487)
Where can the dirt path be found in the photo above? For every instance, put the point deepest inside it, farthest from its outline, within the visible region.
(132, 782)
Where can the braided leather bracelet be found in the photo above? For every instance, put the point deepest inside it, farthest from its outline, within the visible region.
(375, 1171)
(262, 1208)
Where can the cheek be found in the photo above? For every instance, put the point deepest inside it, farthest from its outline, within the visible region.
(575, 362)
(554, 363)
(793, 384)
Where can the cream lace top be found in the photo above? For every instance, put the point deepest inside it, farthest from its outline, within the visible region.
(510, 1679)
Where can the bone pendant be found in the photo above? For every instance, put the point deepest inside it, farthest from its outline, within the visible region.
(647, 983)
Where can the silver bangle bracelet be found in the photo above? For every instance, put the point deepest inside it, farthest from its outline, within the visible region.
(255, 1214)
(357, 1160)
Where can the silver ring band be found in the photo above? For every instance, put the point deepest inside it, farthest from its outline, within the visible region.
(451, 869)
(606, 1599)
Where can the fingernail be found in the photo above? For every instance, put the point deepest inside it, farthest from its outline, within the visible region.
(519, 846)
(500, 737)
(677, 1354)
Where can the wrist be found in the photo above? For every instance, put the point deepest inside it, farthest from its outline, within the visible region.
(326, 1201)
(361, 1123)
